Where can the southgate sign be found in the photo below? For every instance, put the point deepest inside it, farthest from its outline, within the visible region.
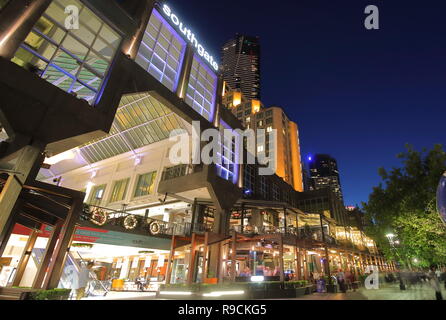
(190, 36)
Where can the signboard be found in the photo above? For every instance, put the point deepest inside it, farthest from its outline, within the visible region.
(148, 262)
(103, 236)
(160, 261)
(135, 262)
(6, 275)
(189, 35)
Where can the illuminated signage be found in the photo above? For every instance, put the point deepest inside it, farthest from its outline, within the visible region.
(190, 36)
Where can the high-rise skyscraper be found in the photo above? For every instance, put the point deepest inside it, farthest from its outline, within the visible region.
(241, 65)
(324, 173)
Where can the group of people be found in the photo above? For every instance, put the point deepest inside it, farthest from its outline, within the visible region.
(346, 280)
(415, 279)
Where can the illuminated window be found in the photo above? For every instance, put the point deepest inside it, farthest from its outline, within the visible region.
(260, 148)
(75, 60)
(97, 193)
(202, 88)
(228, 169)
(269, 129)
(161, 52)
(145, 185)
(119, 190)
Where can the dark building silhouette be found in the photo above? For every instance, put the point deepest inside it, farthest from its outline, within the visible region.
(324, 173)
(241, 65)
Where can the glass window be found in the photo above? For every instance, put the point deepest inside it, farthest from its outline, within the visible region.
(75, 60)
(228, 168)
(202, 89)
(97, 193)
(145, 184)
(119, 190)
(161, 52)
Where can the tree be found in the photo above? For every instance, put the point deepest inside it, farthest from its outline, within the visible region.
(404, 205)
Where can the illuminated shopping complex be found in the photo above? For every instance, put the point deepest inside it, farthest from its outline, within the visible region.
(85, 171)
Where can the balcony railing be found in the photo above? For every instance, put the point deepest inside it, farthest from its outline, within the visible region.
(103, 217)
(310, 234)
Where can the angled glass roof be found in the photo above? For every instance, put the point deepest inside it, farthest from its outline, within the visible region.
(140, 120)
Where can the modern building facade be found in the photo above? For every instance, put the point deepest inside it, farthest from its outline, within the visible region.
(110, 192)
(254, 115)
(324, 173)
(241, 65)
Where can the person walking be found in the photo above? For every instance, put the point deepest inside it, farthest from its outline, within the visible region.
(435, 283)
(83, 278)
(348, 279)
(341, 281)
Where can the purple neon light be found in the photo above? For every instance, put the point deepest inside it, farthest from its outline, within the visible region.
(214, 76)
(235, 173)
(151, 65)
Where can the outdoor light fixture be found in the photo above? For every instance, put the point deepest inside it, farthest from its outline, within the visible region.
(257, 278)
(180, 293)
(67, 155)
(223, 293)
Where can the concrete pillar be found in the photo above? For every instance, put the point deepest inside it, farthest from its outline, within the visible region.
(219, 260)
(215, 261)
(326, 261)
(256, 218)
(16, 21)
(205, 257)
(25, 257)
(233, 256)
(281, 264)
(298, 261)
(305, 264)
(26, 168)
(221, 221)
(191, 267)
(170, 261)
(183, 80)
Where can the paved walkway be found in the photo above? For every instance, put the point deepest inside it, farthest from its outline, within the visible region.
(423, 292)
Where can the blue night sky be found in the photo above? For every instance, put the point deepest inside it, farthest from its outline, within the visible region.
(358, 95)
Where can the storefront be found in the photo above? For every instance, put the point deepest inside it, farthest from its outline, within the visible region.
(119, 258)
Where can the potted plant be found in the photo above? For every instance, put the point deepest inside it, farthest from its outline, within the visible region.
(331, 284)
